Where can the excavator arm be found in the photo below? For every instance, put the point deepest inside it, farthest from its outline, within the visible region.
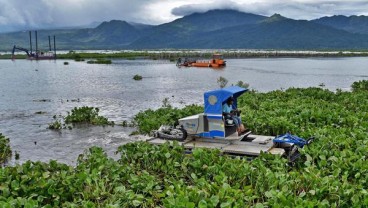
(21, 49)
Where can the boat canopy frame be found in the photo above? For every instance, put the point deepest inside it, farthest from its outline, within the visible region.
(214, 100)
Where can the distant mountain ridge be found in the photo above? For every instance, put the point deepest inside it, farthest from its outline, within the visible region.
(215, 29)
(353, 24)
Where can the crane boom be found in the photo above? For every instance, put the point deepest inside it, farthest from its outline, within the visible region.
(21, 49)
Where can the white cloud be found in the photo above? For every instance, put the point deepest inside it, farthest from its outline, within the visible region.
(79, 12)
(296, 9)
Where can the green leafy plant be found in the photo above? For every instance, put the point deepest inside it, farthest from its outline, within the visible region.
(5, 150)
(242, 84)
(56, 125)
(88, 115)
(222, 82)
(126, 124)
(360, 85)
(137, 77)
(332, 171)
(149, 120)
(99, 61)
(166, 103)
(84, 115)
(79, 60)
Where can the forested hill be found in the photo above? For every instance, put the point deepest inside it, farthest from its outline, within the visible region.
(213, 29)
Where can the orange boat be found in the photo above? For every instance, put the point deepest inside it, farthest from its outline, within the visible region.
(216, 62)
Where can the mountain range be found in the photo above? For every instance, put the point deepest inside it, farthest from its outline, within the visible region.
(215, 29)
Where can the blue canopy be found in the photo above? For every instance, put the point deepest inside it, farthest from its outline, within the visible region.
(213, 100)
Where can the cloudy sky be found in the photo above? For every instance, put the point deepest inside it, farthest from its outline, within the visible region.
(56, 13)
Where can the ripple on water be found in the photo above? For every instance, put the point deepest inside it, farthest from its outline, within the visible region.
(51, 88)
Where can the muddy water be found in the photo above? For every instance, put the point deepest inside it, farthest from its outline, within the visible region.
(31, 93)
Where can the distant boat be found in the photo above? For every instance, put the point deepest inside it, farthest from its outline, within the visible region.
(217, 61)
(37, 55)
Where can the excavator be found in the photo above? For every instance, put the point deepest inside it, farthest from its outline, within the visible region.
(34, 56)
(37, 55)
(21, 49)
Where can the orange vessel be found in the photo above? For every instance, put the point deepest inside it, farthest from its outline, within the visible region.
(216, 62)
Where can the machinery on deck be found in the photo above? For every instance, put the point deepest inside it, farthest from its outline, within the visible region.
(213, 130)
(217, 61)
(37, 55)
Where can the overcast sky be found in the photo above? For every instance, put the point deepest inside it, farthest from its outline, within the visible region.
(38, 13)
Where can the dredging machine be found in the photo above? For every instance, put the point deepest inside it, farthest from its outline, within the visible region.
(37, 54)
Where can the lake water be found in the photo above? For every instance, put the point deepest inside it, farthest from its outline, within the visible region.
(25, 85)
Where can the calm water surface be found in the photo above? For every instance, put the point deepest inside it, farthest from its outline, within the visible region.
(23, 84)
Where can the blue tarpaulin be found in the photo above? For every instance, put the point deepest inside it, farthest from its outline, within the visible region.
(213, 100)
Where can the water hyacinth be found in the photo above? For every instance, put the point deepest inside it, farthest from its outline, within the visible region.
(80, 115)
(332, 171)
(5, 150)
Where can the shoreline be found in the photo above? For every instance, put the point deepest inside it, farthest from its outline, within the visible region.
(173, 55)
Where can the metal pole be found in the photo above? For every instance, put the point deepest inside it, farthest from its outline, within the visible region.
(36, 43)
(30, 41)
(49, 43)
(54, 47)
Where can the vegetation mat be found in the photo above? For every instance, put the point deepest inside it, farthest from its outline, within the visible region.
(332, 171)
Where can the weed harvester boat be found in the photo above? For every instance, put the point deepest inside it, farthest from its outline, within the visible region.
(214, 131)
(217, 61)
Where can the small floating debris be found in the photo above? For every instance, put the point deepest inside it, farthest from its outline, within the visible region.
(73, 100)
(42, 100)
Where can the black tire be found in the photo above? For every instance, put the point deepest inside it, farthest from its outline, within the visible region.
(185, 134)
(173, 137)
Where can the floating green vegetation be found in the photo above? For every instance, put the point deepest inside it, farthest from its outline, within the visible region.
(66, 63)
(164, 176)
(16, 156)
(57, 125)
(137, 77)
(99, 61)
(332, 171)
(222, 82)
(78, 59)
(81, 115)
(87, 115)
(360, 85)
(126, 55)
(127, 124)
(242, 84)
(5, 150)
(149, 120)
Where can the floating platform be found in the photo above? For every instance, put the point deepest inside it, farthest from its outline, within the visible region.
(251, 145)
